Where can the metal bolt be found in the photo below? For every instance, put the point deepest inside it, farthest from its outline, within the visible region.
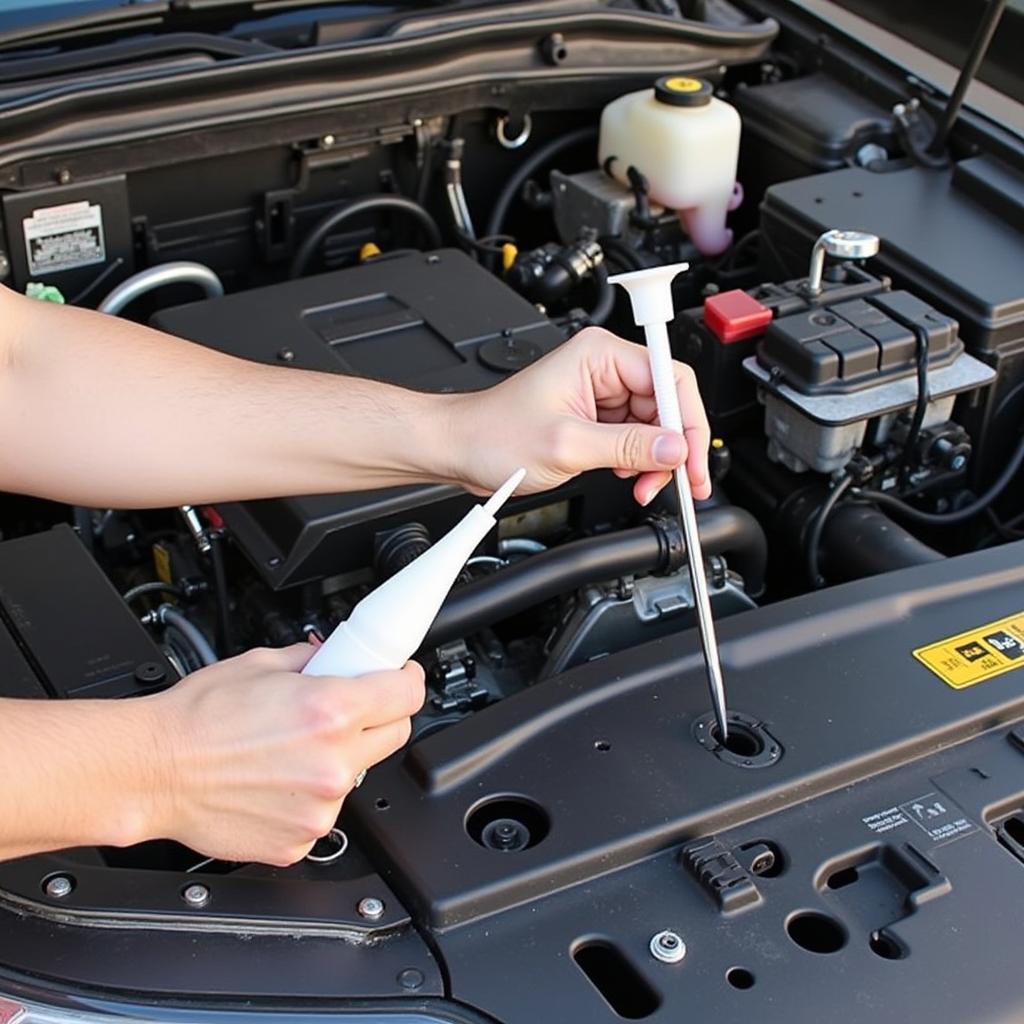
(667, 947)
(196, 895)
(327, 141)
(5, 265)
(59, 886)
(286, 355)
(869, 153)
(64, 176)
(371, 908)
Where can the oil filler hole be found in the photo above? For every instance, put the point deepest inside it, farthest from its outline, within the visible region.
(817, 933)
(748, 744)
(740, 740)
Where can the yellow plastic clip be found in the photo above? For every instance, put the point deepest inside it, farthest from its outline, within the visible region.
(368, 251)
(509, 253)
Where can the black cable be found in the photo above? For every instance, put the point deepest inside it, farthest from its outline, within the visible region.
(975, 55)
(728, 260)
(1006, 530)
(915, 147)
(605, 304)
(103, 275)
(923, 398)
(960, 515)
(621, 253)
(489, 245)
(537, 159)
(225, 639)
(818, 525)
(365, 204)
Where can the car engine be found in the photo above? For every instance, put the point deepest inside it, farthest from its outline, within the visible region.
(854, 312)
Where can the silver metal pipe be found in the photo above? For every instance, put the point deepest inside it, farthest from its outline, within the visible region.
(840, 245)
(179, 272)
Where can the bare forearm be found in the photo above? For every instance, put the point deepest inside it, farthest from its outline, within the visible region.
(77, 773)
(99, 411)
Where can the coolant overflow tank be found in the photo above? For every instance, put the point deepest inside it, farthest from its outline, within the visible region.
(685, 142)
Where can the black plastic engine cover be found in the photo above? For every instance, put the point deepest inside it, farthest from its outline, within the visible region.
(857, 855)
(608, 770)
(435, 322)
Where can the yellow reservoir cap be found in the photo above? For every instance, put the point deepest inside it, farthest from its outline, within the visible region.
(680, 84)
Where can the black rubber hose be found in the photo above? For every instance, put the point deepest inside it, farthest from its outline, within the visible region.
(723, 529)
(154, 587)
(860, 541)
(960, 515)
(366, 204)
(527, 169)
(605, 296)
(225, 638)
(818, 525)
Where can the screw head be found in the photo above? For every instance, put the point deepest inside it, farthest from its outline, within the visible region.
(59, 886)
(196, 895)
(371, 908)
(286, 355)
(327, 141)
(667, 947)
(5, 265)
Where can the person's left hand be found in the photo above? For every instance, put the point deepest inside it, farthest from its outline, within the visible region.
(587, 405)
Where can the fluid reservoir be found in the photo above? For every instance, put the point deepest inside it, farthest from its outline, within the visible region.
(685, 142)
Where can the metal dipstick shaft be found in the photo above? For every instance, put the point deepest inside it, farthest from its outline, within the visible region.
(670, 416)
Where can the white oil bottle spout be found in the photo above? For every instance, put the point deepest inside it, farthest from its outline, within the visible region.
(387, 627)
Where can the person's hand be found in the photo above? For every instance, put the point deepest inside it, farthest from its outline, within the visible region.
(587, 405)
(259, 758)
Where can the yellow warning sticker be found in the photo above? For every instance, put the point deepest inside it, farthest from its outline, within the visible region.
(977, 655)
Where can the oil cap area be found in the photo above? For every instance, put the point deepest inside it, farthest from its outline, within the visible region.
(748, 745)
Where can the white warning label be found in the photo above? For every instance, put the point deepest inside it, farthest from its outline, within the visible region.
(933, 813)
(937, 816)
(64, 237)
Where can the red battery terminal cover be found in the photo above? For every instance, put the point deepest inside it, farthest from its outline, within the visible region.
(735, 315)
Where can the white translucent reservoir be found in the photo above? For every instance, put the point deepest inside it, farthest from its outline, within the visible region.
(685, 142)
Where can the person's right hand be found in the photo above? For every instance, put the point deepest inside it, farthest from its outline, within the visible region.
(261, 758)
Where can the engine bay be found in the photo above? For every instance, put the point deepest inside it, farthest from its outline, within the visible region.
(854, 313)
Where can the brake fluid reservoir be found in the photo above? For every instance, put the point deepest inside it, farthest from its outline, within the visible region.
(685, 142)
